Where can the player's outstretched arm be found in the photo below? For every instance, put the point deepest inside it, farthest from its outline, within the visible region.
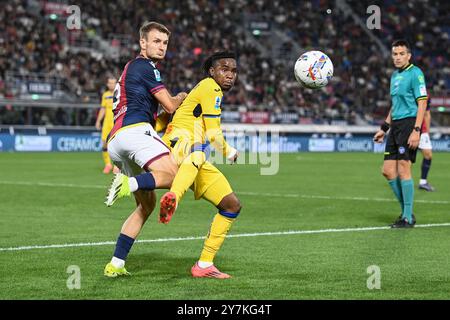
(215, 137)
(169, 103)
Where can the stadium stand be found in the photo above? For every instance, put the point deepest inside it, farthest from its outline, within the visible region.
(69, 66)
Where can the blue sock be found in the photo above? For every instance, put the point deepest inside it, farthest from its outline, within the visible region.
(123, 246)
(146, 181)
(426, 164)
(397, 188)
(408, 198)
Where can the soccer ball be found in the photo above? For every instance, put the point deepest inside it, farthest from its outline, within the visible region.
(313, 69)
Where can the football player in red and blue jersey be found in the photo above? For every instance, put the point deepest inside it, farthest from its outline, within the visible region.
(133, 143)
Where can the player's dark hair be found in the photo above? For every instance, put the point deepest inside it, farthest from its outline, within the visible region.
(209, 62)
(401, 43)
(150, 25)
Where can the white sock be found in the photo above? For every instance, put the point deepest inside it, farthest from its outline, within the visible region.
(423, 181)
(204, 264)
(132, 182)
(118, 263)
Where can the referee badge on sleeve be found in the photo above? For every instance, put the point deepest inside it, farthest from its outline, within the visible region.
(423, 90)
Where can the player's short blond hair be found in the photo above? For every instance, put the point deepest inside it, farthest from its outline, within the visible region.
(151, 25)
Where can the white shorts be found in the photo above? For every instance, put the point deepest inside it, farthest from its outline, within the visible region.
(425, 142)
(133, 149)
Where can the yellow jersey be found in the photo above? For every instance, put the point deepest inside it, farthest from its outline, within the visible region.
(197, 119)
(107, 103)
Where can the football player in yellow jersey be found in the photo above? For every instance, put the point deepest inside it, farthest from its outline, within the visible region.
(106, 114)
(195, 123)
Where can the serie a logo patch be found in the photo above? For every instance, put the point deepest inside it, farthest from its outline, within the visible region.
(157, 75)
(217, 103)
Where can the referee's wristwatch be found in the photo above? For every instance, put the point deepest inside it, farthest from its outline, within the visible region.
(417, 129)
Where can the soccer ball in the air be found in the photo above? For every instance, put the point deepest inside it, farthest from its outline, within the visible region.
(313, 69)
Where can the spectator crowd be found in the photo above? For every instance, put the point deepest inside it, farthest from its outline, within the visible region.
(32, 41)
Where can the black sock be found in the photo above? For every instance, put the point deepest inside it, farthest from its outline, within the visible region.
(123, 246)
(146, 181)
(426, 164)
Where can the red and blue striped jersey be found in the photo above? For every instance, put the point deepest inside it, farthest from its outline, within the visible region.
(134, 99)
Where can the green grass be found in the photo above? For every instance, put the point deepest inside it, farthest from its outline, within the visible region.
(57, 198)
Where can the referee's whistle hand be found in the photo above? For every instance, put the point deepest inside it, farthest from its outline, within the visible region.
(413, 141)
(379, 136)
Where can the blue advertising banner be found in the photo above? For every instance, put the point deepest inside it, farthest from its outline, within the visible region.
(54, 142)
(251, 143)
(76, 143)
(6, 142)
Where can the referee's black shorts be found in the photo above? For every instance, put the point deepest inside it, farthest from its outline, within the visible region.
(397, 141)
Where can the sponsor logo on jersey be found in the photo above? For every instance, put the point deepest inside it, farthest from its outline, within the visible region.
(121, 112)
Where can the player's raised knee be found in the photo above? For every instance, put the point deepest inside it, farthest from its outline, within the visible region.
(231, 203)
(237, 206)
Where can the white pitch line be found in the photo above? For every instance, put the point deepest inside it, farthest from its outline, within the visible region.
(306, 196)
(57, 185)
(247, 193)
(240, 235)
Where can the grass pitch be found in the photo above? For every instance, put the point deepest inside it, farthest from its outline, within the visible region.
(57, 198)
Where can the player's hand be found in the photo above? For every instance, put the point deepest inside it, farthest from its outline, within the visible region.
(233, 155)
(414, 139)
(98, 126)
(379, 136)
(181, 96)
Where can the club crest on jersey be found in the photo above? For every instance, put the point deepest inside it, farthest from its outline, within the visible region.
(217, 104)
(157, 75)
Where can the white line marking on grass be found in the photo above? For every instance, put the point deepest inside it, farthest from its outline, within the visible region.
(305, 196)
(246, 193)
(57, 185)
(239, 235)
